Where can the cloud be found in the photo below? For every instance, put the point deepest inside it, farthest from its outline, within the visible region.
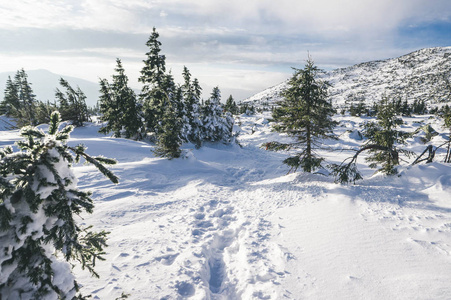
(223, 40)
(337, 21)
(306, 16)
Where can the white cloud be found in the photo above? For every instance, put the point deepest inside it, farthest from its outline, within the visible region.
(363, 20)
(238, 45)
(123, 53)
(306, 16)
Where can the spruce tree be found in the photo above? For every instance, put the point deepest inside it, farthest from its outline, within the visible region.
(197, 89)
(39, 200)
(196, 130)
(119, 106)
(231, 106)
(192, 127)
(383, 139)
(11, 102)
(169, 140)
(216, 127)
(72, 104)
(384, 133)
(419, 107)
(306, 114)
(43, 111)
(109, 110)
(27, 99)
(187, 107)
(178, 103)
(405, 109)
(20, 102)
(153, 76)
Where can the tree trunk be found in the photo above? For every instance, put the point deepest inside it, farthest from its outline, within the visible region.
(448, 152)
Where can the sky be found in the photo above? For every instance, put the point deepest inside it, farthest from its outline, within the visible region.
(241, 46)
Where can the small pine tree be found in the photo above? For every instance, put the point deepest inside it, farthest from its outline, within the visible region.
(381, 145)
(20, 102)
(27, 99)
(39, 199)
(383, 133)
(169, 140)
(109, 110)
(11, 102)
(154, 92)
(405, 110)
(72, 104)
(306, 114)
(43, 111)
(397, 105)
(119, 106)
(192, 123)
(216, 126)
(353, 110)
(196, 116)
(231, 106)
(419, 107)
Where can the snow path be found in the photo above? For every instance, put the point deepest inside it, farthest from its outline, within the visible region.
(228, 223)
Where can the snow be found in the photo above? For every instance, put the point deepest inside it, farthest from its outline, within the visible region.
(228, 222)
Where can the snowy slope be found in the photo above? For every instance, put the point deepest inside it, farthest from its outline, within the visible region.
(418, 75)
(228, 222)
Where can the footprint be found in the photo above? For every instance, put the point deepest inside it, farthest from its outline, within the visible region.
(185, 289)
(199, 216)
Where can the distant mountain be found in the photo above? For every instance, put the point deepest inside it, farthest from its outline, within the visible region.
(44, 83)
(420, 75)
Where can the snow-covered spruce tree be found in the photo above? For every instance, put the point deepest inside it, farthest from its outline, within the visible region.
(39, 199)
(245, 108)
(11, 102)
(27, 98)
(216, 127)
(20, 102)
(155, 90)
(44, 110)
(231, 106)
(211, 114)
(306, 114)
(72, 104)
(119, 106)
(179, 105)
(192, 123)
(109, 110)
(169, 136)
(383, 138)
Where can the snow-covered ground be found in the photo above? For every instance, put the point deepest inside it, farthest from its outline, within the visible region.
(228, 222)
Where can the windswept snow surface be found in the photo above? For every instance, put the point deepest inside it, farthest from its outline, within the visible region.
(227, 222)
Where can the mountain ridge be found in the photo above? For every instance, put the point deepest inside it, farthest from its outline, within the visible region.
(420, 75)
(44, 84)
